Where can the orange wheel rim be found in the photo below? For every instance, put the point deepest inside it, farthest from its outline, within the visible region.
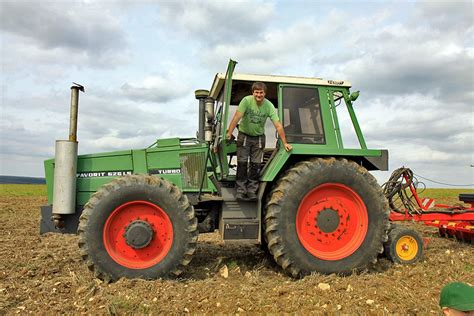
(144, 214)
(332, 221)
(407, 248)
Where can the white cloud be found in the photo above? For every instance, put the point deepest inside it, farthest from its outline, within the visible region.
(67, 24)
(211, 22)
(64, 34)
(420, 132)
(422, 65)
(281, 49)
(446, 16)
(155, 89)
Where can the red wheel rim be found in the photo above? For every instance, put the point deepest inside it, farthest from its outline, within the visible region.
(115, 241)
(332, 221)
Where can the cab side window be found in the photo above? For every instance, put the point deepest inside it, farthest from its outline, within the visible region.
(302, 115)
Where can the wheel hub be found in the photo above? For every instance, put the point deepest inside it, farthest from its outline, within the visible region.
(327, 220)
(407, 248)
(138, 234)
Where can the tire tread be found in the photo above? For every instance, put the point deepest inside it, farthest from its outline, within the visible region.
(278, 194)
(127, 181)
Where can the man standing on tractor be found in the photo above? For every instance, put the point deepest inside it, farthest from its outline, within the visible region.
(253, 110)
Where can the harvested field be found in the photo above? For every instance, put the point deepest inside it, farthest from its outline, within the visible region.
(45, 274)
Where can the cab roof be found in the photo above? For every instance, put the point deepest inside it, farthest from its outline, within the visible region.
(219, 80)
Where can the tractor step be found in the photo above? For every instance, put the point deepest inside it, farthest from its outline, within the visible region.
(233, 208)
(239, 220)
(239, 229)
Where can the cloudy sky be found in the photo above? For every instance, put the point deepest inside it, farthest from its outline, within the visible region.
(141, 61)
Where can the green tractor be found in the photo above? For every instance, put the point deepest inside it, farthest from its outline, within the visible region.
(138, 212)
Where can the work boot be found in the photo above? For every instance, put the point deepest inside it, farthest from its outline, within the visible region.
(251, 196)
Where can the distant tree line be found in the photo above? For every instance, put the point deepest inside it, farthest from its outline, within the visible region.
(21, 180)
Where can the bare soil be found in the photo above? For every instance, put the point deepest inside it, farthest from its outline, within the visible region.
(45, 274)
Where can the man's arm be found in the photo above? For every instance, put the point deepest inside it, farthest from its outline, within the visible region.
(281, 133)
(237, 116)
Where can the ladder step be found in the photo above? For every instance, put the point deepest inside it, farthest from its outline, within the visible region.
(239, 229)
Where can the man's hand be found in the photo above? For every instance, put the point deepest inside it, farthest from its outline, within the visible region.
(281, 133)
(233, 124)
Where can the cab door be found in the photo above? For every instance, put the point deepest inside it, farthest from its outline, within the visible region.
(222, 147)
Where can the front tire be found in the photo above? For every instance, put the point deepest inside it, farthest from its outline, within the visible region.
(327, 216)
(137, 226)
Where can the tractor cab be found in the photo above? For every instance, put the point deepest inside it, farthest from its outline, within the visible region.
(306, 107)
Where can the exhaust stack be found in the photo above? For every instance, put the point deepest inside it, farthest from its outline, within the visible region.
(201, 95)
(209, 116)
(65, 165)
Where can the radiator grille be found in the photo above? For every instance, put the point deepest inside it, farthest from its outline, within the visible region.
(192, 167)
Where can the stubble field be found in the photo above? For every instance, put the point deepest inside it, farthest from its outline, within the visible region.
(45, 274)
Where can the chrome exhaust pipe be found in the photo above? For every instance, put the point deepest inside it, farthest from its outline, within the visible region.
(65, 166)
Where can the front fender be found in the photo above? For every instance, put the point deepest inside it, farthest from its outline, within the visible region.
(275, 165)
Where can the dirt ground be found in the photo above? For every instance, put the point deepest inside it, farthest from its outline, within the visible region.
(45, 274)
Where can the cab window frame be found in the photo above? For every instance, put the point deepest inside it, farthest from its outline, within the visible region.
(317, 122)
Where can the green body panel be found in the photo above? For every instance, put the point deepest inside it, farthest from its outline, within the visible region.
(49, 176)
(111, 161)
(164, 159)
(139, 159)
(170, 160)
(275, 165)
(93, 171)
(167, 142)
(282, 156)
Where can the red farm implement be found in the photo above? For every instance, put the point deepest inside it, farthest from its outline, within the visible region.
(452, 220)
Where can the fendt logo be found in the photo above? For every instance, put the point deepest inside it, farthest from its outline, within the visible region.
(336, 82)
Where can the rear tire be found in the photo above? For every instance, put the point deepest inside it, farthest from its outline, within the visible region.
(404, 245)
(327, 216)
(137, 226)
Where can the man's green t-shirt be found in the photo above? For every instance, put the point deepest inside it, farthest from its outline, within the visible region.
(253, 121)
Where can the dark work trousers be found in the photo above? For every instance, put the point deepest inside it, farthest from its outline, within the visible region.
(249, 147)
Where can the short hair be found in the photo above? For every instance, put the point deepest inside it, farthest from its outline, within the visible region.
(259, 86)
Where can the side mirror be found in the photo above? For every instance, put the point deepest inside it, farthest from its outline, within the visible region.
(354, 95)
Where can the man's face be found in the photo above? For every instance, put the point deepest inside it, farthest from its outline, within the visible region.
(259, 95)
